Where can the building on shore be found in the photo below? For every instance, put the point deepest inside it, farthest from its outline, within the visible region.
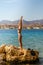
(36, 27)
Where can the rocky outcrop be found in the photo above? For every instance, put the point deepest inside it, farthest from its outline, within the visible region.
(12, 53)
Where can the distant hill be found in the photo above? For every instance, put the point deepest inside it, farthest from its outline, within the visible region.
(24, 22)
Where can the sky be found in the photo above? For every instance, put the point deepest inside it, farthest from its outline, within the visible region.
(13, 9)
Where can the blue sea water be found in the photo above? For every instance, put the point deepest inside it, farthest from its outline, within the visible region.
(30, 38)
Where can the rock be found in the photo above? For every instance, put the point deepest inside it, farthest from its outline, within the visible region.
(10, 58)
(2, 48)
(11, 50)
(2, 56)
(2, 62)
(12, 53)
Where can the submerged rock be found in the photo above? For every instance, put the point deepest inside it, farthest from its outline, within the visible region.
(12, 53)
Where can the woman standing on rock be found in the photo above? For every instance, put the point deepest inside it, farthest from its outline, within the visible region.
(19, 32)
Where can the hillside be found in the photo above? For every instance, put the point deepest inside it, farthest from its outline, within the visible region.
(24, 22)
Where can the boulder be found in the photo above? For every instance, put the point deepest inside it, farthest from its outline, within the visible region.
(12, 53)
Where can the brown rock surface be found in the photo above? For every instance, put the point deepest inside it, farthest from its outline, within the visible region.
(12, 53)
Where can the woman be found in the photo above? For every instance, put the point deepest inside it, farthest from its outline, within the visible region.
(19, 32)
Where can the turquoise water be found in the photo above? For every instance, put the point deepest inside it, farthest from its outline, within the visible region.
(31, 39)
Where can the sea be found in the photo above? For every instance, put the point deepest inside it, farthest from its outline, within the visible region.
(31, 38)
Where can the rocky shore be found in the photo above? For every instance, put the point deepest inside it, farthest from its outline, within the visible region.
(11, 53)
